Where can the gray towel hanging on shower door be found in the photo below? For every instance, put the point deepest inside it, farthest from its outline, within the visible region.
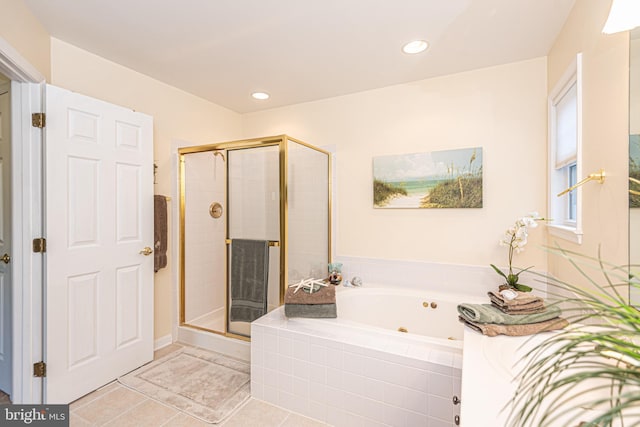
(249, 276)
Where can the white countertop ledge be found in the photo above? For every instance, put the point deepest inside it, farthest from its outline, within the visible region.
(489, 368)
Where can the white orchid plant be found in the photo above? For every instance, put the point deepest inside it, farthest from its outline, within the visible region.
(516, 238)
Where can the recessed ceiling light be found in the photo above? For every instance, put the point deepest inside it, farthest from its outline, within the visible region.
(415, 46)
(623, 16)
(260, 95)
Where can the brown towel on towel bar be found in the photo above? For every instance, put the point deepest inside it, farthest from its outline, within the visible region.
(325, 295)
(493, 329)
(159, 232)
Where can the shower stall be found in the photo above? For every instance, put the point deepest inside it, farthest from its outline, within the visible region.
(254, 218)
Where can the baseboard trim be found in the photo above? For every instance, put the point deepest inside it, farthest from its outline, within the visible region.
(162, 342)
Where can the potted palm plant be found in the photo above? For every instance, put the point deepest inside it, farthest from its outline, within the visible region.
(590, 372)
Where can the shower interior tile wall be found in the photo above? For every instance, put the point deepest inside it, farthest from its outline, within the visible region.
(349, 385)
(254, 193)
(204, 242)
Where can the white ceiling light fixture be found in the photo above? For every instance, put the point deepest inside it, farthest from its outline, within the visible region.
(623, 16)
(260, 95)
(415, 46)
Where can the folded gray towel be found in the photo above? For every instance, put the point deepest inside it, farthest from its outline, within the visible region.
(487, 313)
(248, 279)
(311, 310)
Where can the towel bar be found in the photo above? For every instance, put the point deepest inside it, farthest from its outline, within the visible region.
(634, 181)
(596, 176)
(273, 243)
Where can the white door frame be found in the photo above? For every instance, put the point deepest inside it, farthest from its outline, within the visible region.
(27, 204)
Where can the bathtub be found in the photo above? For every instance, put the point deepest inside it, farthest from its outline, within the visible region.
(428, 314)
(392, 357)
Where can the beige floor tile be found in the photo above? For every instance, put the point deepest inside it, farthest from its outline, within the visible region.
(166, 350)
(110, 405)
(295, 420)
(4, 398)
(114, 384)
(93, 395)
(184, 420)
(77, 421)
(256, 413)
(116, 405)
(149, 413)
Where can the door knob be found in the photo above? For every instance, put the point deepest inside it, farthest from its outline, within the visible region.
(146, 251)
(5, 258)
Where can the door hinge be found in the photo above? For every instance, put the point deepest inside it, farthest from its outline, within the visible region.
(38, 120)
(40, 369)
(39, 245)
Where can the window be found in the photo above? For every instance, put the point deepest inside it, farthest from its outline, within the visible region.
(572, 198)
(565, 154)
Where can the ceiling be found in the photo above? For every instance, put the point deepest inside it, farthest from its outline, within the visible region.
(301, 50)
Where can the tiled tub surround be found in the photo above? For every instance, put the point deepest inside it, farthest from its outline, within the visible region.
(348, 373)
(452, 279)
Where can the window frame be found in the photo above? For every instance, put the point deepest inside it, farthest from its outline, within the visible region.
(559, 209)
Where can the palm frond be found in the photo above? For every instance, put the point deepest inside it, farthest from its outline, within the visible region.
(591, 370)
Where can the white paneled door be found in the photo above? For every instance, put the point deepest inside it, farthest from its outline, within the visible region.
(6, 370)
(99, 220)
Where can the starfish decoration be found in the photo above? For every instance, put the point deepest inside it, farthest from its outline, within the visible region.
(309, 284)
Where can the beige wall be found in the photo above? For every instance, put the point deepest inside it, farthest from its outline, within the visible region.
(605, 131)
(24, 32)
(176, 115)
(502, 109)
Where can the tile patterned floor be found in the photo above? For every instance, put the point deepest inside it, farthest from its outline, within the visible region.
(116, 405)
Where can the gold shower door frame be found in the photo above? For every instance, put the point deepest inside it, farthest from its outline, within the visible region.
(281, 142)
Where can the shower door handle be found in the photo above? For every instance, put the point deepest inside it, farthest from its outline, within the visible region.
(146, 251)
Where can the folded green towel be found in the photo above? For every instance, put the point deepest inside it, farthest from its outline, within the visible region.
(311, 310)
(487, 313)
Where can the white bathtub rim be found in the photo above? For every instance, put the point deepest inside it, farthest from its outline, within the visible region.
(364, 339)
(374, 338)
(365, 329)
(341, 323)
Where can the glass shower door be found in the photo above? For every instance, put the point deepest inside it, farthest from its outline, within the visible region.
(253, 235)
(308, 206)
(203, 265)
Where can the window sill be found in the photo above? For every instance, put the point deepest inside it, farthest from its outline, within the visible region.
(571, 234)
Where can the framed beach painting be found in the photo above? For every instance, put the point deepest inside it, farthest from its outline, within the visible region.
(438, 179)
